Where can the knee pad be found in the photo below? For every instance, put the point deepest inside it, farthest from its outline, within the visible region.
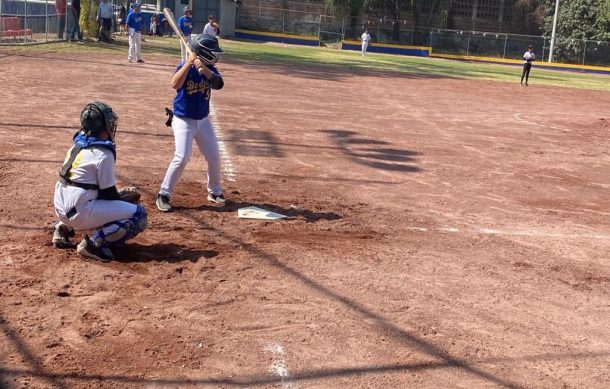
(122, 230)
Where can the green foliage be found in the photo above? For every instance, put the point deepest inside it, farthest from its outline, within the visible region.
(578, 20)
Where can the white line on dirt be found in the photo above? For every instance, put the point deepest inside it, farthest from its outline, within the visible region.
(532, 233)
(520, 119)
(229, 171)
(278, 365)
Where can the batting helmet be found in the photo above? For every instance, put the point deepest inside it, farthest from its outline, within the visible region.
(206, 47)
(97, 117)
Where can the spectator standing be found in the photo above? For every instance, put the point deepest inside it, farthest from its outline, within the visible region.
(75, 26)
(60, 11)
(121, 21)
(104, 18)
(211, 27)
(185, 24)
(134, 30)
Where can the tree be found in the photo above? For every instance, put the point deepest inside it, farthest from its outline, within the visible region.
(578, 20)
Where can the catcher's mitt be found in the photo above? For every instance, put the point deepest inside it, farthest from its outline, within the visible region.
(131, 194)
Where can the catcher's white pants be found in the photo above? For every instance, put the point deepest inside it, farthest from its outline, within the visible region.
(135, 44)
(183, 52)
(91, 213)
(185, 130)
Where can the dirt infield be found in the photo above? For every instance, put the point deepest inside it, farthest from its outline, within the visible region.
(444, 233)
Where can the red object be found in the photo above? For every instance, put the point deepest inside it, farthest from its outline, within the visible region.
(60, 7)
(10, 26)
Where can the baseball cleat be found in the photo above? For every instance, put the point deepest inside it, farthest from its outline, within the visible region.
(218, 199)
(61, 236)
(163, 203)
(98, 250)
(140, 61)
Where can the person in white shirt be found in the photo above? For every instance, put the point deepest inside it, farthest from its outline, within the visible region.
(528, 58)
(211, 27)
(365, 38)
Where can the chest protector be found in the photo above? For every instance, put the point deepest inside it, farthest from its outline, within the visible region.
(82, 142)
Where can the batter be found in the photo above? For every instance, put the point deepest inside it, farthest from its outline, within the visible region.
(193, 81)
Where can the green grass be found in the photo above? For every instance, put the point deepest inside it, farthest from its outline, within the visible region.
(274, 55)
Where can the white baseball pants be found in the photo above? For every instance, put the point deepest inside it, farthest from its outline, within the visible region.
(365, 45)
(183, 52)
(90, 214)
(185, 130)
(135, 44)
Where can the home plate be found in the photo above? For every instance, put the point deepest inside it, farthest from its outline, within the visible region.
(258, 213)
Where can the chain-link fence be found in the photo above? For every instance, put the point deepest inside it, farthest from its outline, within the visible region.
(35, 21)
(32, 20)
(286, 21)
(331, 30)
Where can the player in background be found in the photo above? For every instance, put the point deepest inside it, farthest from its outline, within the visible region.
(193, 81)
(185, 24)
(211, 27)
(528, 58)
(365, 38)
(86, 197)
(134, 30)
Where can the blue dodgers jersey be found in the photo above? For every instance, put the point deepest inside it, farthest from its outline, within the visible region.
(185, 24)
(193, 98)
(134, 20)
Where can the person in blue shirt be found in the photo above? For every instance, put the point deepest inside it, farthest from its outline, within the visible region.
(134, 30)
(104, 19)
(185, 24)
(193, 81)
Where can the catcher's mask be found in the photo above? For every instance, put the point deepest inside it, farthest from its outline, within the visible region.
(97, 117)
(205, 46)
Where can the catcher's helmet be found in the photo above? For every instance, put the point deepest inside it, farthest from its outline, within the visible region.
(97, 117)
(205, 46)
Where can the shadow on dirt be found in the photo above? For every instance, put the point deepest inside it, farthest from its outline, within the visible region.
(364, 151)
(292, 212)
(160, 252)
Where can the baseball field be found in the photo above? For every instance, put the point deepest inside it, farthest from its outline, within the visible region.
(447, 228)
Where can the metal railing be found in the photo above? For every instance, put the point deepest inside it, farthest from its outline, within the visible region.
(331, 30)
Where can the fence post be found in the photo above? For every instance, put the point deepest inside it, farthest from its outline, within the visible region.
(413, 35)
(468, 44)
(378, 30)
(584, 53)
(46, 20)
(505, 43)
(283, 28)
(543, 47)
(320, 31)
(25, 17)
(343, 29)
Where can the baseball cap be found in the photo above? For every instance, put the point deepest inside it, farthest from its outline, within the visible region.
(135, 5)
(187, 8)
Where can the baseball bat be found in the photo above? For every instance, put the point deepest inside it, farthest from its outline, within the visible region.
(169, 15)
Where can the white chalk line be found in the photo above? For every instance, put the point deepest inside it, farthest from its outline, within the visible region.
(278, 365)
(497, 232)
(520, 119)
(229, 170)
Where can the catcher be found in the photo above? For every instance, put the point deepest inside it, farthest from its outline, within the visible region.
(86, 196)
